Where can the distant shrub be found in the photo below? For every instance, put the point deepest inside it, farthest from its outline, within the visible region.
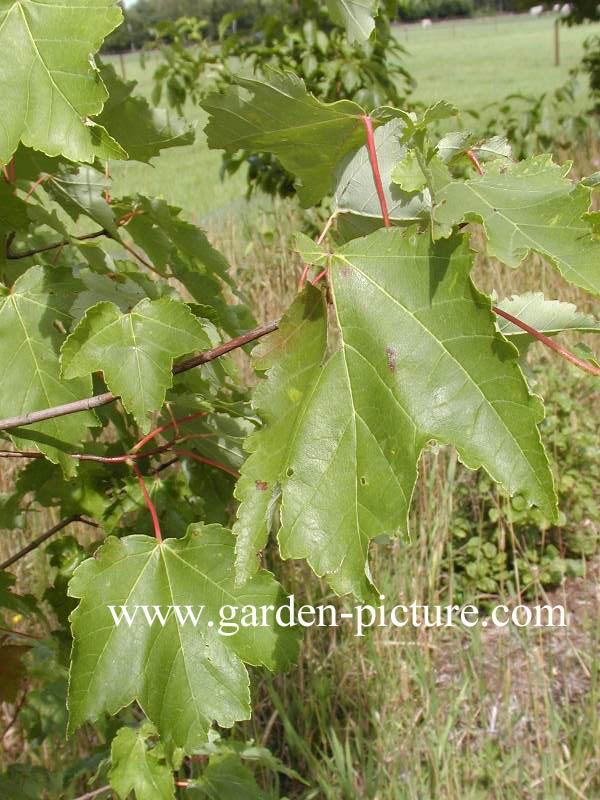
(411, 10)
(591, 65)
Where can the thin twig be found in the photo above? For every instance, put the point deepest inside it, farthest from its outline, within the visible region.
(28, 253)
(94, 793)
(223, 349)
(122, 459)
(563, 352)
(19, 633)
(99, 400)
(141, 259)
(13, 719)
(302, 280)
(43, 537)
(325, 230)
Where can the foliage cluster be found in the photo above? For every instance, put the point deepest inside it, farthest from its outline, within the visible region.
(141, 16)
(117, 318)
(411, 10)
(288, 36)
(546, 121)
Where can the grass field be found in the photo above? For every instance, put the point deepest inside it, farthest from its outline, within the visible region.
(478, 61)
(470, 63)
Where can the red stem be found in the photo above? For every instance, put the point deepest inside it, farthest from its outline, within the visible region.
(149, 503)
(209, 461)
(35, 185)
(319, 276)
(368, 122)
(475, 161)
(303, 277)
(568, 356)
(162, 428)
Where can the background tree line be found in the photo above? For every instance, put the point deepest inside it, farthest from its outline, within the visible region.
(144, 14)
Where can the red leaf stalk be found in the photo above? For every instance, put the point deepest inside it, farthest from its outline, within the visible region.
(563, 352)
(475, 161)
(162, 428)
(149, 503)
(368, 122)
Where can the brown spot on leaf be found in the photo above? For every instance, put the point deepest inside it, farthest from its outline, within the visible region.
(262, 485)
(345, 272)
(390, 354)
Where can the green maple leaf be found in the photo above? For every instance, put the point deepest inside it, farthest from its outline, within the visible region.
(309, 251)
(528, 206)
(357, 16)
(420, 359)
(356, 201)
(31, 314)
(408, 174)
(279, 116)
(136, 768)
(184, 677)
(141, 130)
(135, 351)
(293, 356)
(82, 193)
(50, 89)
(227, 778)
(24, 604)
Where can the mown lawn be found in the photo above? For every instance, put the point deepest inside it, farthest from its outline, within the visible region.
(478, 61)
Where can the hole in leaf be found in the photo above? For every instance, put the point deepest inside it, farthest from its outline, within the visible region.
(363, 481)
(290, 472)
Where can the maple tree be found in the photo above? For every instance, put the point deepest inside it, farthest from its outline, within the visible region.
(116, 322)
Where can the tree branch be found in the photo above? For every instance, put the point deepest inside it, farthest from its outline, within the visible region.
(94, 793)
(28, 253)
(43, 537)
(98, 400)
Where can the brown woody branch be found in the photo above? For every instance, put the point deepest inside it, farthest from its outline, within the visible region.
(43, 537)
(46, 248)
(99, 400)
(94, 793)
